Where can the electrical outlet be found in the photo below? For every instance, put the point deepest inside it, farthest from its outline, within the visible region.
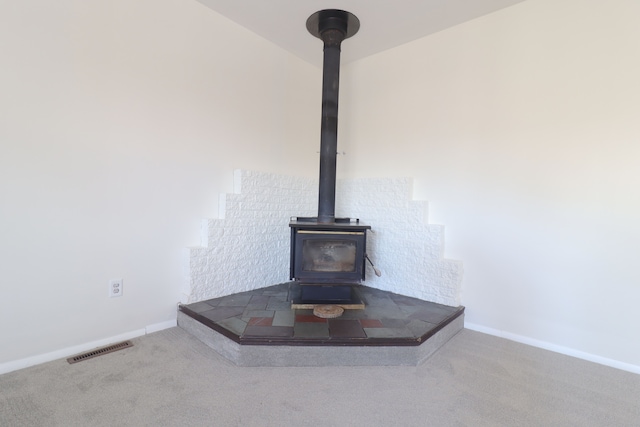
(115, 288)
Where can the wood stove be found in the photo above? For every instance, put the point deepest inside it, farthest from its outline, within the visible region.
(327, 253)
(328, 259)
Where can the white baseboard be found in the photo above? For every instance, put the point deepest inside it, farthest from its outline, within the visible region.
(70, 351)
(555, 348)
(161, 326)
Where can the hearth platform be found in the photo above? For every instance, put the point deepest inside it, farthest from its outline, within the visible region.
(259, 328)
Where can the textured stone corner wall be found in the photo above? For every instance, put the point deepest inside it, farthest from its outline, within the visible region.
(248, 247)
(402, 244)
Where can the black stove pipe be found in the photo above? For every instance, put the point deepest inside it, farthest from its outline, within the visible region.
(332, 26)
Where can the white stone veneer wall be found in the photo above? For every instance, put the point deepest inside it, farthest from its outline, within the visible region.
(248, 247)
(408, 251)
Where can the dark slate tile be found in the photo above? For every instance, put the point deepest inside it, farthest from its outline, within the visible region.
(277, 290)
(236, 300)
(395, 323)
(410, 309)
(268, 331)
(220, 313)
(256, 306)
(311, 330)
(378, 301)
(199, 307)
(258, 313)
(213, 302)
(281, 296)
(283, 318)
(233, 324)
(386, 312)
(277, 303)
(346, 328)
(259, 299)
(354, 314)
(420, 327)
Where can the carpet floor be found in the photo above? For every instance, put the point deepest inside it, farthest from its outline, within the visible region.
(169, 378)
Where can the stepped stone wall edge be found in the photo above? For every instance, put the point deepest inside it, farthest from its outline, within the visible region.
(248, 246)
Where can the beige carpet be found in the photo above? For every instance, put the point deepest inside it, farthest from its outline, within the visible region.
(171, 379)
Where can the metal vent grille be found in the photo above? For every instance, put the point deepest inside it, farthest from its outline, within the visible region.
(100, 351)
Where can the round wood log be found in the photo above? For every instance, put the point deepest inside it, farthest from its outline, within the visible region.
(328, 311)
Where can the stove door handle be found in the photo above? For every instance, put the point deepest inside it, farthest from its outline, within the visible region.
(375, 270)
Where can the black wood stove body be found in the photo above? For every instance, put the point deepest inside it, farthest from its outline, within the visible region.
(328, 259)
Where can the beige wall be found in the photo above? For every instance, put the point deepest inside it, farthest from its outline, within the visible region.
(120, 123)
(522, 130)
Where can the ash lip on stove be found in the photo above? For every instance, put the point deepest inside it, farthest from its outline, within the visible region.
(328, 253)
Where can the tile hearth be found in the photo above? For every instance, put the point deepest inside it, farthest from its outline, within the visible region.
(407, 330)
